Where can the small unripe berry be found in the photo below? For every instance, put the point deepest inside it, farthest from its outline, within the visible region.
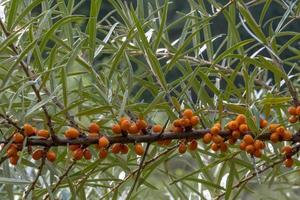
(292, 110)
(43, 133)
(188, 113)
(182, 148)
(288, 162)
(103, 153)
(78, 154)
(125, 125)
(14, 160)
(28, 130)
(94, 127)
(243, 128)
(103, 142)
(51, 156)
(141, 124)
(194, 120)
(241, 119)
(72, 133)
(248, 139)
(38, 154)
(157, 128)
(18, 138)
(193, 145)
(116, 128)
(207, 138)
(87, 154)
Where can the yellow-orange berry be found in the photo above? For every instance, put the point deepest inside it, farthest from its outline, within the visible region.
(182, 148)
(14, 160)
(223, 147)
(207, 138)
(236, 134)
(257, 153)
(11, 151)
(215, 130)
(287, 149)
(141, 124)
(51, 156)
(18, 138)
(233, 125)
(138, 149)
(243, 128)
(87, 154)
(288, 162)
(188, 113)
(258, 144)
(250, 149)
(241, 119)
(125, 125)
(116, 148)
(43, 133)
(103, 153)
(214, 147)
(243, 145)
(157, 128)
(263, 123)
(116, 128)
(248, 139)
(274, 137)
(124, 149)
(193, 145)
(37, 154)
(293, 119)
(217, 139)
(72, 133)
(103, 142)
(292, 110)
(73, 147)
(194, 120)
(94, 127)
(28, 130)
(78, 154)
(133, 129)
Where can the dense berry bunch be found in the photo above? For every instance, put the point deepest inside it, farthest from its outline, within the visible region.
(295, 114)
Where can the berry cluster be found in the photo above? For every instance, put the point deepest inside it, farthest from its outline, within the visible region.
(295, 114)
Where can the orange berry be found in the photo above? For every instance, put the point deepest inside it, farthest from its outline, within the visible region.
(43, 133)
(186, 122)
(182, 148)
(116, 148)
(177, 123)
(11, 151)
(193, 145)
(298, 110)
(14, 160)
(241, 119)
(236, 134)
(233, 125)
(125, 125)
(287, 149)
(287, 136)
(71, 133)
(207, 138)
(139, 150)
(116, 128)
(248, 139)
(37, 154)
(243, 145)
(263, 123)
(217, 139)
(141, 124)
(51, 156)
(87, 154)
(273, 127)
(188, 113)
(243, 128)
(124, 149)
(257, 153)
(292, 110)
(214, 147)
(274, 137)
(28, 130)
(103, 153)
(177, 129)
(73, 147)
(78, 154)
(195, 120)
(18, 138)
(93, 135)
(258, 144)
(250, 149)
(280, 129)
(133, 129)
(223, 147)
(288, 162)
(215, 130)
(103, 142)
(218, 124)
(94, 128)
(157, 128)
(293, 119)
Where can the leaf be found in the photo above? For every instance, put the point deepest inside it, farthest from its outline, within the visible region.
(14, 181)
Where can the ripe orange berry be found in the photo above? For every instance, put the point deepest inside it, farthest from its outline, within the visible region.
(257, 153)
(139, 150)
(37, 154)
(236, 134)
(258, 144)
(51, 156)
(233, 125)
(182, 148)
(298, 110)
(248, 139)
(103, 153)
(288, 162)
(188, 113)
(195, 120)
(103, 142)
(186, 122)
(287, 136)
(217, 139)
(280, 129)
(223, 147)
(207, 138)
(141, 124)
(177, 123)
(177, 129)
(87, 154)
(241, 119)
(287, 149)
(116, 148)
(28, 130)
(71, 133)
(94, 128)
(125, 125)
(292, 110)
(274, 137)
(93, 135)
(243, 145)
(78, 154)
(43, 133)
(243, 128)
(116, 128)
(157, 128)
(124, 149)
(250, 149)
(273, 127)
(214, 147)
(263, 123)
(18, 138)
(293, 119)
(133, 129)
(14, 160)
(215, 130)
(73, 147)
(11, 151)
(193, 145)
